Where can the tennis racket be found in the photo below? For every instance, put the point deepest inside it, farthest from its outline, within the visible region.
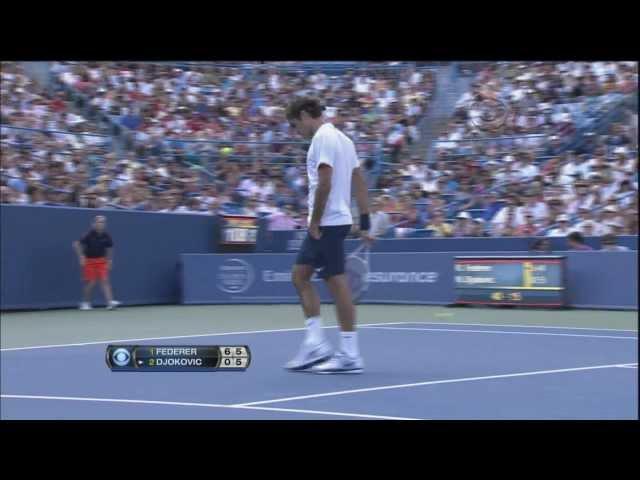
(357, 269)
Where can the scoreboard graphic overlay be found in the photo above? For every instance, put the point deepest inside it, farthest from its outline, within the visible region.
(535, 281)
(178, 358)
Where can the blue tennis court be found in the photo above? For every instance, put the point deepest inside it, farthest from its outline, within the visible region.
(414, 370)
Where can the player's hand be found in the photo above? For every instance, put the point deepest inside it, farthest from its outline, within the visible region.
(314, 231)
(366, 238)
(82, 261)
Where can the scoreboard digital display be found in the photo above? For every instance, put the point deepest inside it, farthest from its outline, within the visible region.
(239, 230)
(178, 358)
(536, 281)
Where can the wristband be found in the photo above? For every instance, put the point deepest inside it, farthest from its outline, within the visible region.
(364, 222)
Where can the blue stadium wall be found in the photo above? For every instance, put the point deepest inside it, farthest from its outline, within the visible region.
(39, 268)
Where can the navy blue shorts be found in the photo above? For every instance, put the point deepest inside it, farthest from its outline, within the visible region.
(326, 254)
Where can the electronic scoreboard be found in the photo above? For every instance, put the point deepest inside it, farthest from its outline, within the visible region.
(239, 230)
(178, 358)
(532, 281)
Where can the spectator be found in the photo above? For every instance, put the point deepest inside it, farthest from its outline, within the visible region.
(507, 231)
(214, 208)
(587, 225)
(464, 198)
(625, 194)
(508, 216)
(609, 243)
(478, 228)
(526, 168)
(252, 208)
(463, 226)
(268, 208)
(631, 223)
(380, 221)
(7, 195)
(610, 219)
(410, 218)
(582, 199)
(556, 207)
(615, 227)
(439, 227)
(533, 205)
(282, 221)
(588, 228)
(528, 228)
(491, 206)
(575, 240)
(563, 229)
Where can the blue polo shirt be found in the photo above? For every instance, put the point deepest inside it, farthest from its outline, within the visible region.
(95, 244)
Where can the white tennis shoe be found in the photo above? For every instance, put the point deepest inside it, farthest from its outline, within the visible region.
(310, 355)
(113, 304)
(339, 363)
(85, 306)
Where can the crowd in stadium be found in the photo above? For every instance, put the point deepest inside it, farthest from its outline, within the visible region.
(490, 185)
(506, 165)
(208, 102)
(161, 103)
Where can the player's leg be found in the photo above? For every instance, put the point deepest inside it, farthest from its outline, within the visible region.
(341, 293)
(108, 294)
(315, 348)
(86, 294)
(309, 299)
(347, 359)
(103, 275)
(106, 289)
(89, 279)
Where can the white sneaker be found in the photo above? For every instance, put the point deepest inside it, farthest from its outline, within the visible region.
(340, 363)
(113, 304)
(310, 355)
(85, 306)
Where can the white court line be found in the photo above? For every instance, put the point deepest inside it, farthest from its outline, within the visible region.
(102, 342)
(432, 382)
(460, 330)
(628, 365)
(320, 412)
(520, 326)
(208, 405)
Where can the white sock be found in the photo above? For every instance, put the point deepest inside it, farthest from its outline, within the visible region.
(349, 343)
(315, 334)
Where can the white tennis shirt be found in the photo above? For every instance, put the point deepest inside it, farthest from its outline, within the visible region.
(332, 147)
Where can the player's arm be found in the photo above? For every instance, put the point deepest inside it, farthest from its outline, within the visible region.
(110, 251)
(78, 249)
(359, 188)
(322, 192)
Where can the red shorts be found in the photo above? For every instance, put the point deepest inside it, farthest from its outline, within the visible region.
(95, 269)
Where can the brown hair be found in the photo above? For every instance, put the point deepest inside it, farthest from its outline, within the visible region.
(307, 104)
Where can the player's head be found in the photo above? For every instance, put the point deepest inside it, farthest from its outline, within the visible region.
(100, 223)
(304, 114)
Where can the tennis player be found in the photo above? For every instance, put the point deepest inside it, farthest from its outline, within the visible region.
(95, 254)
(333, 170)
